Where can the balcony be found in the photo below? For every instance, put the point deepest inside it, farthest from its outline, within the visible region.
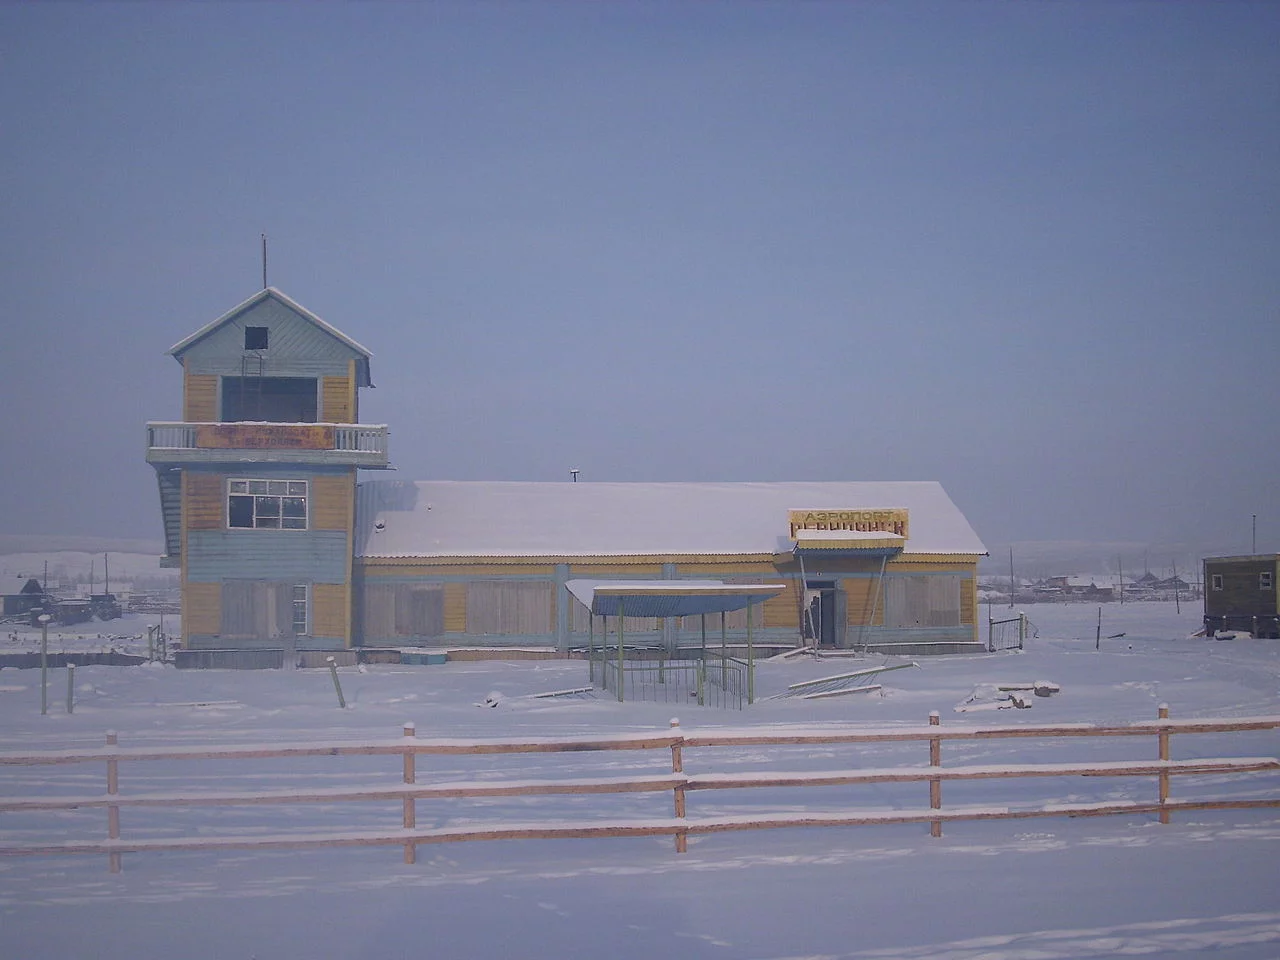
(338, 444)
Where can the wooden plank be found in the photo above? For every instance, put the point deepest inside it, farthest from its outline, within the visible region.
(455, 608)
(329, 610)
(201, 608)
(332, 502)
(199, 398)
(968, 601)
(203, 496)
(630, 828)
(335, 396)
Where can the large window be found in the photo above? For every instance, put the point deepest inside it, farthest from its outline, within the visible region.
(269, 399)
(267, 504)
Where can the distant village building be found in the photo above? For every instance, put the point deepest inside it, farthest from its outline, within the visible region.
(1073, 588)
(1240, 594)
(280, 547)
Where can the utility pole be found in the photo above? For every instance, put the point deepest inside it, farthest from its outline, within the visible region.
(1254, 552)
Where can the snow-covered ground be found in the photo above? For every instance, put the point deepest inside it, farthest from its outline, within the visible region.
(998, 890)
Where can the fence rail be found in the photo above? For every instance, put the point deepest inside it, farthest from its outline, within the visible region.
(408, 747)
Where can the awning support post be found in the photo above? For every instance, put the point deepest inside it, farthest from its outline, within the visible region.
(622, 679)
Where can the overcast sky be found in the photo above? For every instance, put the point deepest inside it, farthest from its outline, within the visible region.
(1029, 250)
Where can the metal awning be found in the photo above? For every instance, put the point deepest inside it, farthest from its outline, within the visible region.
(669, 598)
(849, 543)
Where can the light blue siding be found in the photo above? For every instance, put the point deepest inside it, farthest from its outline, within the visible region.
(316, 556)
(296, 346)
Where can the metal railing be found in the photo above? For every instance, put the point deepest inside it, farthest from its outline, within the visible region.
(714, 682)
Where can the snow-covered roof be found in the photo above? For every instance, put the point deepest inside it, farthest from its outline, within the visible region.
(457, 518)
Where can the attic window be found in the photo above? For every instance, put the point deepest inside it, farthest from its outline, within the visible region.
(255, 338)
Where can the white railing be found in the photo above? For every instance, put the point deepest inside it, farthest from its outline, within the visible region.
(347, 437)
(406, 792)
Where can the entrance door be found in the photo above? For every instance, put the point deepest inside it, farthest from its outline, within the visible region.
(820, 616)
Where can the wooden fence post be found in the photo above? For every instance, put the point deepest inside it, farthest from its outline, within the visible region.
(935, 785)
(410, 811)
(677, 766)
(113, 811)
(1164, 774)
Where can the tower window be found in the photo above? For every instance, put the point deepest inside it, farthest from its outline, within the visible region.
(267, 504)
(255, 338)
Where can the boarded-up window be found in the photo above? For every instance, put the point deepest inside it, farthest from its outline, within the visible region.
(922, 601)
(403, 610)
(509, 607)
(257, 610)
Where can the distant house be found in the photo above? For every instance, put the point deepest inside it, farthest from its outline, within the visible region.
(1073, 588)
(30, 597)
(1240, 594)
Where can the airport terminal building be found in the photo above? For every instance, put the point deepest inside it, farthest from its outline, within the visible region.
(282, 544)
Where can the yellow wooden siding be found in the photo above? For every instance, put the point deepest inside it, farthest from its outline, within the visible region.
(329, 610)
(336, 395)
(201, 608)
(331, 503)
(652, 571)
(862, 597)
(455, 608)
(202, 501)
(968, 601)
(199, 398)
(717, 571)
(403, 569)
(783, 611)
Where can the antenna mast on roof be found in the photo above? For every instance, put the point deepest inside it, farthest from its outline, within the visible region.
(264, 261)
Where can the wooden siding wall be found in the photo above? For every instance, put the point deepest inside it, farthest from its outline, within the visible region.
(332, 502)
(922, 601)
(455, 608)
(510, 607)
(297, 347)
(329, 610)
(865, 601)
(1241, 594)
(968, 601)
(203, 507)
(338, 396)
(199, 398)
(201, 608)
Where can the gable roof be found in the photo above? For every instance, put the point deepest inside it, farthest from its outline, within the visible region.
(182, 346)
(455, 518)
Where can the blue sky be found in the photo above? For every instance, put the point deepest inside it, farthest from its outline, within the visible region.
(1029, 250)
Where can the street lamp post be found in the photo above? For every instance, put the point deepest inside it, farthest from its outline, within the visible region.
(44, 619)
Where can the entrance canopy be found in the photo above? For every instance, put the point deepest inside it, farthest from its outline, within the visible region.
(848, 543)
(669, 598)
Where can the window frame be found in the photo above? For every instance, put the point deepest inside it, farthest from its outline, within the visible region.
(1267, 580)
(263, 333)
(301, 603)
(1215, 581)
(259, 492)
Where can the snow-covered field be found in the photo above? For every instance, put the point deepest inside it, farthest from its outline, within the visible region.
(1205, 884)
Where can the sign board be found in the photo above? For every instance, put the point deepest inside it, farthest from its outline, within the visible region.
(264, 436)
(891, 520)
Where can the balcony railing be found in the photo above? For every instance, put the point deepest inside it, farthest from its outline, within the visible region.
(347, 443)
